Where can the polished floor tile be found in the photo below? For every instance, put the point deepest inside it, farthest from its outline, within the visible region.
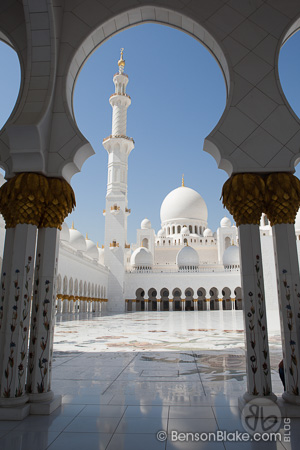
(27, 440)
(141, 425)
(79, 441)
(91, 424)
(135, 441)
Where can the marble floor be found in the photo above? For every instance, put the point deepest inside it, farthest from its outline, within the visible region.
(125, 378)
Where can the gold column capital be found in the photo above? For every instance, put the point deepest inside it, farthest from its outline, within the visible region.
(282, 198)
(243, 195)
(32, 198)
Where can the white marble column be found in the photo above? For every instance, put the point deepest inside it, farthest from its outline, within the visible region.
(146, 305)
(288, 285)
(206, 304)
(59, 305)
(65, 305)
(42, 323)
(133, 305)
(16, 301)
(195, 305)
(158, 305)
(255, 321)
(171, 305)
(182, 305)
(217, 304)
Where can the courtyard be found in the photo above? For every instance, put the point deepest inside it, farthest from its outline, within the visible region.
(125, 377)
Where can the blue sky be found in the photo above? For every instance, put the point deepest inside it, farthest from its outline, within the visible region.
(178, 95)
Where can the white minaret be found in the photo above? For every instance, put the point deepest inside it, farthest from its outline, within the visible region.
(118, 147)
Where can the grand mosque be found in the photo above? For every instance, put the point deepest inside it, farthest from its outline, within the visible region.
(183, 266)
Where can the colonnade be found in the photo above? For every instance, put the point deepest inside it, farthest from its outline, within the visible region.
(76, 304)
(194, 304)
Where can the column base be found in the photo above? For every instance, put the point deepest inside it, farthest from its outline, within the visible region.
(262, 401)
(290, 398)
(45, 407)
(14, 412)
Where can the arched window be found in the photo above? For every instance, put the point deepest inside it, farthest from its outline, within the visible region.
(227, 242)
(266, 222)
(178, 229)
(191, 228)
(145, 243)
(173, 229)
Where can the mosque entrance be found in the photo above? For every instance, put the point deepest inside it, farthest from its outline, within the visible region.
(164, 294)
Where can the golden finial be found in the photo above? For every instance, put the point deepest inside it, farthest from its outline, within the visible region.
(97, 244)
(86, 237)
(121, 62)
(182, 180)
(73, 226)
(232, 242)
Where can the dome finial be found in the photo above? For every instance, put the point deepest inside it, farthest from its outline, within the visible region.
(73, 226)
(182, 180)
(86, 237)
(121, 62)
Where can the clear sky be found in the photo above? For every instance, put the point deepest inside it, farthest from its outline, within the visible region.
(178, 95)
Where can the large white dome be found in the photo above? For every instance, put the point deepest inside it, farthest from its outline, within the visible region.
(141, 257)
(183, 203)
(187, 257)
(225, 222)
(231, 256)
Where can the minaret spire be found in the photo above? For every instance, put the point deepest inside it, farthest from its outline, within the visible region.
(118, 146)
(121, 62)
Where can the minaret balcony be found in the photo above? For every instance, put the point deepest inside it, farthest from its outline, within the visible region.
(115, 209)
(113, 245)
(104, 212)
(127, 211)
(127, 245)
(123, 95)
(118, 136)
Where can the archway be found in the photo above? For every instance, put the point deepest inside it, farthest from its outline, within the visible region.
(226, 299)
(214, 298)
(189, 299)
(201, 295)
(152, 299)
(164, 298)
(176, 299)
(238, 298)
(140, 299)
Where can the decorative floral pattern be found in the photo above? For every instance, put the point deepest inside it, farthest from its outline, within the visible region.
(293, 363)
(3, 280)
(24, 307)
(34, 324)
(257, 323)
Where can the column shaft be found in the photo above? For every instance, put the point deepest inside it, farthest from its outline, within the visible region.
(43, 313)
(17, 298)
(255, 321)
(288, 283)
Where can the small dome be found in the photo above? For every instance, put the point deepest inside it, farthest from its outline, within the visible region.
(208, 233)
(145, 224)
(161, 233)
(91, 249)
(141, 257)
(297, 221)
(77, 240)
(64, 233)
(225, 222)
(185, 231)
(101, 256)
(231, 256)
(187, 257)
